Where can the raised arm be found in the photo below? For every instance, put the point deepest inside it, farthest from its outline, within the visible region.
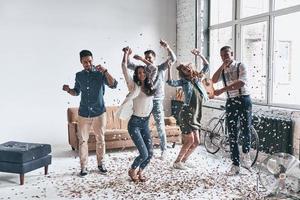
(108, 79)
(128, 79)
(140, 58)
(196, 52)
(169, 72)
(151, 70)
(173, 83)
(171, 56)
(205, 68)
(130, 65)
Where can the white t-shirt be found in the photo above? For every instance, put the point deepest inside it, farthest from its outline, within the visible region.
(231, 75)
(142, 105)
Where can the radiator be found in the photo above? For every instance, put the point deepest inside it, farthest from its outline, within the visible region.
(275, 134)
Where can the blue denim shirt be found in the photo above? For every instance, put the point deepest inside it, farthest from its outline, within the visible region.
(91, 86)
(187, 87)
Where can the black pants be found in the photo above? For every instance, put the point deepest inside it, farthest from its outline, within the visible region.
(239, 109)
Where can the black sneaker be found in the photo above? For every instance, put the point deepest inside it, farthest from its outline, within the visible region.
(83, 172)
(102, 168)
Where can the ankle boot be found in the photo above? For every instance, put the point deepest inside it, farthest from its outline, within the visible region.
(141, 176)
(133, 175)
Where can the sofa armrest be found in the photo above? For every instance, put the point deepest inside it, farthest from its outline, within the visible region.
(72, 133)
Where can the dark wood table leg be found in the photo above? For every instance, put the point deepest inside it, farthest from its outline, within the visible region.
(46, 170)
(21, 179)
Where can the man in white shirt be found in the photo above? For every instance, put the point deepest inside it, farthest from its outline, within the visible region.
(233, 74)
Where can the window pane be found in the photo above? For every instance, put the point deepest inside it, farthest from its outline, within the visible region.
(253, 7)
(220, 11)
(286, 59)
(279, 4)
(218, 38)
(254, 55)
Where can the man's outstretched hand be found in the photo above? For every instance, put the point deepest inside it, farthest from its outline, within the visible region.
(66, 88)
(163, 43)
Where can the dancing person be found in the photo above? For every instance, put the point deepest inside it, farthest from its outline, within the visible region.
(137, 106)
(191, 112)
(238, 105)
(90, 83)
(159, 85)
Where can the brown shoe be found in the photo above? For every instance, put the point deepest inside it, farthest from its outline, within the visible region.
(133, 175)
(142, 178)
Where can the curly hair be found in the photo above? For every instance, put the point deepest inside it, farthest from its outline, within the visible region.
(148, 85)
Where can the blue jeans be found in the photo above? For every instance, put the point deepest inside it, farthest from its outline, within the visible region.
(159, 117)
(239, 109)
(138, 128)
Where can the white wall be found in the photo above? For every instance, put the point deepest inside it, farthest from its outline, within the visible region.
(39, 52)
(186, 30)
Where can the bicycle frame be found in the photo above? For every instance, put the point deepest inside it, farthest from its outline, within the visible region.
(217, 136)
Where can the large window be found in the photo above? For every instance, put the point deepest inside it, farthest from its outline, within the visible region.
(224, 11)
(263, 36)
(286, 59)
(219, 38)
(279, 4)
(253, 7)
(254, 55)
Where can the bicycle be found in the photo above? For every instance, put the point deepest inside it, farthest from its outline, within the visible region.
(216, 136)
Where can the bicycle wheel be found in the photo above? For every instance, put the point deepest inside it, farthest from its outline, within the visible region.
(213, 135)
(254, 144)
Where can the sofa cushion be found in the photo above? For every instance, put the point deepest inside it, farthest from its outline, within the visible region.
(113, 122)
(20, 152)
(171, 121)
(116, 134)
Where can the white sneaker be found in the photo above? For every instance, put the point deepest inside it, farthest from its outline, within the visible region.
(234, 170)
(179, 165)
(189, 165)
(247, 161)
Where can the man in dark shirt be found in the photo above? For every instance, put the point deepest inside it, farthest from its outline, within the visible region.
(92, 113)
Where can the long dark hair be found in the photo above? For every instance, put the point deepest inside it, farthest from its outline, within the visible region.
(148, 85)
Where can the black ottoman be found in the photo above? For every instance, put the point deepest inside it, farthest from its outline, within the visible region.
(21, 157)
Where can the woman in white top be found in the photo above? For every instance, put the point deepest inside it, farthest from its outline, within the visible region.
(138, 106)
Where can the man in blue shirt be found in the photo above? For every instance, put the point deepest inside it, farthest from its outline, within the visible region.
(92, 113)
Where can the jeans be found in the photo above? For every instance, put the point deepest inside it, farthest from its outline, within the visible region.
(159, 117)
(239, 114)
(138, 128)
